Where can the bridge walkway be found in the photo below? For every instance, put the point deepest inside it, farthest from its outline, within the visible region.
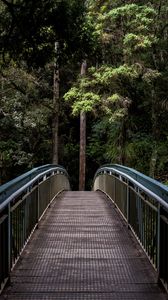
(83, 250)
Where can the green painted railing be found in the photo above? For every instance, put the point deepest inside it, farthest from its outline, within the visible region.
(23, 202)
(143, 202)
(12, 186)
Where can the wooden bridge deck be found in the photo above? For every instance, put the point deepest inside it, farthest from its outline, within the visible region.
(83, 251)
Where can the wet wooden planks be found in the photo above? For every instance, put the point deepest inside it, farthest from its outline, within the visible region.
(83, 251)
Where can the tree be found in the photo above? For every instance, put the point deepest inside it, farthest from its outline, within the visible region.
(124, 91)
(55, 118)
(24, 114)
(126, 80)
(82, 154)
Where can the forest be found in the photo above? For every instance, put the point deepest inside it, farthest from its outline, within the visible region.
(124, 90)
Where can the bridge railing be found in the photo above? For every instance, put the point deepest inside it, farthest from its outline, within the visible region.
(143, 202)
(23, 202)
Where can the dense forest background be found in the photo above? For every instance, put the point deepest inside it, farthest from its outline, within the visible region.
(124, 92)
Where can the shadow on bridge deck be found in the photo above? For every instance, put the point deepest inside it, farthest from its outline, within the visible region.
(83, 251)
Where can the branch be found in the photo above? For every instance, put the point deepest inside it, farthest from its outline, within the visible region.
(10, 4)
(163, 29)
(47, 106)
(10, 7)
(157, 17)
(18, 88)
(7, 3)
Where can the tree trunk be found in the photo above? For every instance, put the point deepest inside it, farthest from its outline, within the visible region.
(55, 120)
(155, 134)
(82, 155)
(121, 141)
(82, 151)
(153, 162)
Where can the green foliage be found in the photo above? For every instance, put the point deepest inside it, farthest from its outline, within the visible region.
(124, 91)
(150, 76)
(162, 163)
(134, 42)
(34, 26)
(24, 120)
(99, 91)
(141, 13)
(139, 147)
(81, 101)
(126, 80)
(114, 98)
(87, 103)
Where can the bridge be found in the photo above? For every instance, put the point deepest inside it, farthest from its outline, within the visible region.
(109, 243)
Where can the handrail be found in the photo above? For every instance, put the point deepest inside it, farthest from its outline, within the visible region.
(143, 202)
(28, 184)
(13, 185)
(145, 182)
(151, 186)
(23, 202)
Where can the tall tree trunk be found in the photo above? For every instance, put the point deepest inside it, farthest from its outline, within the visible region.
(55, 120)
(82, 158)
(153, 161)
(121, 141)
(82, 155)
(155, 134)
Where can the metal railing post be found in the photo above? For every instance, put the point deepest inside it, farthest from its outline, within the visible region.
(9, 239)
(20, 211)
(128, 203)
(38, 202)
(145, 210)
(158, 241)
(114, 189)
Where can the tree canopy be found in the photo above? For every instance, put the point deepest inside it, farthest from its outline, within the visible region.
(124, 91)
